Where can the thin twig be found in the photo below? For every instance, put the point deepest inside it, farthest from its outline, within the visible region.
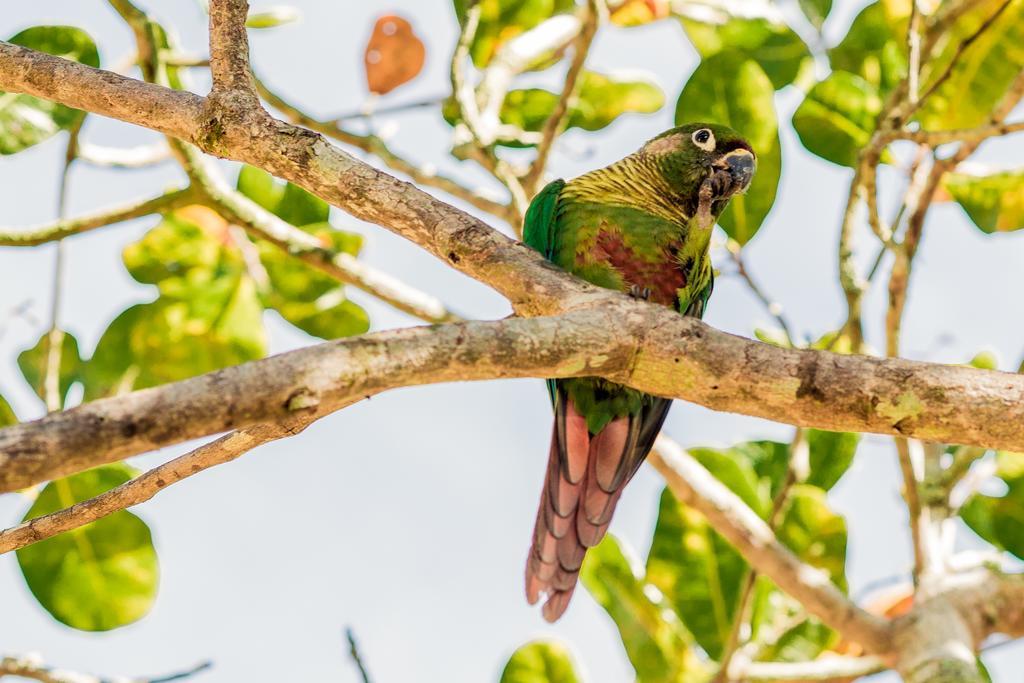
(555, 123)
(146, 485)
(357, 658)
(912, 496)
(40, 234)
(133, 157)
(773, 307)
(822, 669)
(32, 667)
(934, 138)
(375, 145)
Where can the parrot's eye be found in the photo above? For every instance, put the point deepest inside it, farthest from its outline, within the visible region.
(704, 139)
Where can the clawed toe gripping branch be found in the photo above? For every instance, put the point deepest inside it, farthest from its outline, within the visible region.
(563, 328)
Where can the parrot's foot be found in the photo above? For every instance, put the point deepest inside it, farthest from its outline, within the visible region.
(638, 292)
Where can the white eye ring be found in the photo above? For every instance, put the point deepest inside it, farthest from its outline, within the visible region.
(704, 139)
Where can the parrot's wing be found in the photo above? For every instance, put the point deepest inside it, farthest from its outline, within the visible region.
(540, 223)
(539, 231)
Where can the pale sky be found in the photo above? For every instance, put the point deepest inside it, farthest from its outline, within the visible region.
(408, 516)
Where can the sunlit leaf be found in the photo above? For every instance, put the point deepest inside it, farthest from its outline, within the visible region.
(999, 520)
(394, 54)
(601, 99)
(983, 72)
(27, 120)
(502, 20)
(33, 364)
(830, 455)
(7, 415)
(801, 643)
(272, 17)
(774, 46)
(814, 532)
(97, 577)
(659, 647)
(874, 48)
(735, 91)
(837, 117)
(540, 661)
(994, 203)
(305, 297)
(697, 571)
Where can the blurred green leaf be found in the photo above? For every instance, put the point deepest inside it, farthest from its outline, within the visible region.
(659, 647)
(999, 520)
(305, 297)
(985, 360)
(502, 20)
(697, 571)
(816, 11)
(837, 117)
(994, 203)
(7, 415)
(874, 48)
(97, 577)
(772, 44)
(273, 17)
(600, 100)
(27, 120)
(32, 363)
(982, 74)
(540, 661)
(815, 533)
(830, 455)
(730, 89)
(802, 643)
(775, 337)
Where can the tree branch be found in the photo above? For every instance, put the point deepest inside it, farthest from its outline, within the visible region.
(229, 50)
(750, 535)
(822, 669)
(148, 484)
(40, 234)
(33, 668)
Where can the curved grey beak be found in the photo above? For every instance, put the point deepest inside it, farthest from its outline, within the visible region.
(741, 165)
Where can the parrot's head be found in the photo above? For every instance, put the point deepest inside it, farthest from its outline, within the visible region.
(703, 158)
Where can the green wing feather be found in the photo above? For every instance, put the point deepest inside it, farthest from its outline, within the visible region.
(541, 217)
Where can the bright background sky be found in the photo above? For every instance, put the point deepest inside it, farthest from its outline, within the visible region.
(408, 516)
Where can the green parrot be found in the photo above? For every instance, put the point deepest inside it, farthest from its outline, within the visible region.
(641, 225)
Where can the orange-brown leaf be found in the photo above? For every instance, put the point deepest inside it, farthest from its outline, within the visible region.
(394, 55)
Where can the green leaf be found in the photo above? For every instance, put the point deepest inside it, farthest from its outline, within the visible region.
(985, 360)
(659, 646)
(7, 414)
(97, 577)
(999, 520)
(815, 533)
(175, 338)
(32, 363)
(837, 117)
(273, 17)
(600, 100)
(25, 120)
(502, 20)
(540, 661)
(802, 643)
(816, 11)
(830, 455)
(995, 203)
(697, 571)
(305, 297)
(735, 91)
(772, 44)
(984, 71)
(874, 48)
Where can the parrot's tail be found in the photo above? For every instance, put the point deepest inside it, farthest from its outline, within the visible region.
(585, 478)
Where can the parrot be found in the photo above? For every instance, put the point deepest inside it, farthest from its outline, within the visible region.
(642, 226)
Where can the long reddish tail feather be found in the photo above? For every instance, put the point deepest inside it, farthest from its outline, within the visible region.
(585, 478)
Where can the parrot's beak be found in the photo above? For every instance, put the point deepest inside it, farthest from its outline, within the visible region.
(740, 164)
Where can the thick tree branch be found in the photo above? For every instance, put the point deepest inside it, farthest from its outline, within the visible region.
(32, 236)
(229, 49)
